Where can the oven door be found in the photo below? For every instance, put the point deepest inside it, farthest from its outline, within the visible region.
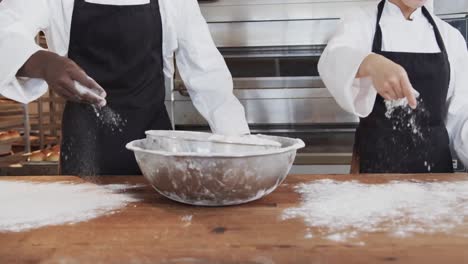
(279, 88)
(283, 95)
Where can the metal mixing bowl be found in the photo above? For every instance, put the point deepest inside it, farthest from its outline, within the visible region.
(189, 171)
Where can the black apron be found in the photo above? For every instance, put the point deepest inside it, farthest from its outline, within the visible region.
(409, 141)
(121, 48)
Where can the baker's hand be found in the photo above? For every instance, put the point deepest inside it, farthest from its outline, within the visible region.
(390, 79)
(62, 75)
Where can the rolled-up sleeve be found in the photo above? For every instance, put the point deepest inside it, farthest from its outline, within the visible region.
(20, 22)
(457, 115)
(205, 73)
(341, 59)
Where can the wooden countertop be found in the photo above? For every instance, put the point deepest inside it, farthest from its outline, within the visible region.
(151, 231)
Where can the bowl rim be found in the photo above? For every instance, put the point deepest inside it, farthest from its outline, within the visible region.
(298, 144)
(181, 134)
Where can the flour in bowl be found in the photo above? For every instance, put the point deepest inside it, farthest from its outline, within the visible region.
(341, 211)
(27, 205)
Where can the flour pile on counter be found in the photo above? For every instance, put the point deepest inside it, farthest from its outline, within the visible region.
(27, 205)
(340, 211)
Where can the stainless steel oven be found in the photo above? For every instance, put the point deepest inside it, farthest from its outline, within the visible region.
(272, 48)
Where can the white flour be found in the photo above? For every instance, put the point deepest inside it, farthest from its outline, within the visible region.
(391, 105)
(409, 120)
(27, 205)
(109, 118)
(187, 220)
(341, 211)
(403, 117)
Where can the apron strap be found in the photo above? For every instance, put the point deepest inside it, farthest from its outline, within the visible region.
(377, 44)
(439, 39)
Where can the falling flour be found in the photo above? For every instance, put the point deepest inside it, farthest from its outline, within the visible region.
(29, 205)
(392, 105)
(108, 122)
(109, 118)
(341, 211)
(405, 119)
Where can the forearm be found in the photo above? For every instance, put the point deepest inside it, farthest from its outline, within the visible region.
(34, 67)
(367, 65)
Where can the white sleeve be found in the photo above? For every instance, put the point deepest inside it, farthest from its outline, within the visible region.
(20, 22)
(205, 73)
(340, 62)
(457, 115)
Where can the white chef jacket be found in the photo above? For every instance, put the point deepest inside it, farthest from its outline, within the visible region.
(352, 43)
(185, 35)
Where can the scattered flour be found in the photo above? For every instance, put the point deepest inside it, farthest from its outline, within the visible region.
(309, 234)
(392, 105)
(109, 118)
(187, 220)
(28, 205)
(405, 119)
(340, 211)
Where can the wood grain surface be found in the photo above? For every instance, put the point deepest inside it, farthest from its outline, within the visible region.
(153, 231)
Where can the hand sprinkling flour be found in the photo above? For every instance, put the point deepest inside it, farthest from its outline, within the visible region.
(391, 105)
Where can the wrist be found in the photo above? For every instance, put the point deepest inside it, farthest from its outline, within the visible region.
(36, 65)
(43, 60)
(369, 65)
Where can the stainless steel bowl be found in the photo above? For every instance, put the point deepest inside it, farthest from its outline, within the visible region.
(189, 172)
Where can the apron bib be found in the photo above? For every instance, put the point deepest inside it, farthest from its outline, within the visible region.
(121, 48)
(409, 141)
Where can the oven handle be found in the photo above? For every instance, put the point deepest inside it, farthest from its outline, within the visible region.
(266, 83)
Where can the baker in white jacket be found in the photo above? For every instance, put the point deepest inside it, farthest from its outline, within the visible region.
(384, 53)
(126, 47)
